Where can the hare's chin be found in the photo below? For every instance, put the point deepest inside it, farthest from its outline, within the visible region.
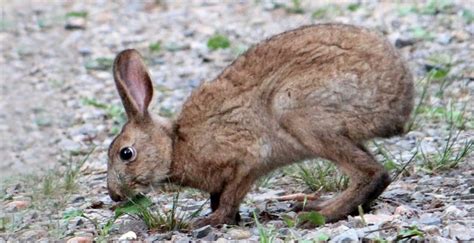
(160, 183)
(142, 189)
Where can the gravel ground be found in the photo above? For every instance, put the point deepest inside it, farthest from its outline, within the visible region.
(59, 111)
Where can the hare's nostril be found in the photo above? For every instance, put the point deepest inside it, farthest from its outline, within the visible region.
(114, 196)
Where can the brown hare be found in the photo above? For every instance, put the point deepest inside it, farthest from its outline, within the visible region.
(318, 91)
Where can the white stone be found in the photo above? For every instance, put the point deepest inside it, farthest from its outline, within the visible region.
(130, 235)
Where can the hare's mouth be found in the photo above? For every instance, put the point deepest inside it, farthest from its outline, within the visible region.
(159, 183)
(140, 187)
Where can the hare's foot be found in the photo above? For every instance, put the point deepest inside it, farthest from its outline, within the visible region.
(213, 220)
(358, 194)
(307, 206)
(218, 215)
(346, 203)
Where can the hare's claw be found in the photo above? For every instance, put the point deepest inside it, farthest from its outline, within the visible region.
(201, 222)
(307, 206)
(213, 220)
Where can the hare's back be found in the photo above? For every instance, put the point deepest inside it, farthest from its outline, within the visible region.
(342, 79)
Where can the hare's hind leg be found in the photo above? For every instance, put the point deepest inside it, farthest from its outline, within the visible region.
(368, 178)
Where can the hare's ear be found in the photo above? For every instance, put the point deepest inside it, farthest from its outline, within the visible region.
(133, 83)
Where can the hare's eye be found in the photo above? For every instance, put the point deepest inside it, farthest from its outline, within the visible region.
(127, 154)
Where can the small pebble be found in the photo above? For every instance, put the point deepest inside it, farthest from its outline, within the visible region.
(17, 205)
(460, 232)
(429, 219)
(347, 236)
(74, 23)
(202, 232)
(405, 211)
(128, 236)
(80, 239)
(431, 230)
(454, 212)
(160, 237)
(239, 234)
(375, 219)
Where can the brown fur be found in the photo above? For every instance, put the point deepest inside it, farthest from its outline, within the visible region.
(317, 91)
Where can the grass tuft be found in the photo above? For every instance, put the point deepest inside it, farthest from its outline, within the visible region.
(49, 191)
(421, 33)
(434, 7)
(155, 46)
(72, 172)
(327, 11)
(77, 14)
(389, 162)
(296, 7)
(319, 176)
(409, 233)
(218, 42)
(468, 15)
(100, 63)
(448, 156)
(102, 229)
(158, 218)
(424, 94)
(48, 185)
(114, 112)
(266, 235)
(266, 180)
(354, 7)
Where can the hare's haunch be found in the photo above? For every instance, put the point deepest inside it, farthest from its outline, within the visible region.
(318, 91)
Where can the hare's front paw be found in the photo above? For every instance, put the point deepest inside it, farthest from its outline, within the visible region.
(212, 220)
(307, 206)
(308, 225)
(200, 222)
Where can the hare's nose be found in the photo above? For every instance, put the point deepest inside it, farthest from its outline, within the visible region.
(115, 196)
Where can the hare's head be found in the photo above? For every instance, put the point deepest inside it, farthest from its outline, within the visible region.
(140, 156)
